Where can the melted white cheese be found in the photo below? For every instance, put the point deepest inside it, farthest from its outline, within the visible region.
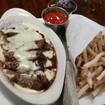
(48, 54)
(1, 55)
(25, 66)
(23, 39)
(49, 74)
(20, 43)
(48, 63)
(18, 28)
(39, 72)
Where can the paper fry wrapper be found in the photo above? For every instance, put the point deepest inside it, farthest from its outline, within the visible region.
(80, 32)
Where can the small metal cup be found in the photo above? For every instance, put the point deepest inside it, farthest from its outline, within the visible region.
(72, 5)
(55, 27)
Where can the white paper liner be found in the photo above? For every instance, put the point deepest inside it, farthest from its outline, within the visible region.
(80, 32)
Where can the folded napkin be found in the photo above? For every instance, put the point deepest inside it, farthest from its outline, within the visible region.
(79, 33)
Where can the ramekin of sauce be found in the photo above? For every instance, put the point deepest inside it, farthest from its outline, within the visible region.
(55, 17)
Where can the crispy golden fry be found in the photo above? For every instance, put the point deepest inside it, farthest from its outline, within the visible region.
(98, 64)
(85, 56)
(97, 71)
(99, 82)
(82, 83)
(90, 79)
(103, 59)
(94, 61)
(79, 61)
(102, 75)
(83, 90)
(103, 89)
(95, 48)
(84, 72)
(102, 40)
(99, 46)
(91, 51)
(97, 90)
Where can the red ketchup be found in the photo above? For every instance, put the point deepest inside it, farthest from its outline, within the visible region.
(55, 17)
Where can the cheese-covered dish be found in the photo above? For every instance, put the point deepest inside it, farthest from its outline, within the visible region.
(27, 57)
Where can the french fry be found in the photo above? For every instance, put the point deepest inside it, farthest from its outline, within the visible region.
(79, 61)
(97, 71)
(103, 59)
(91, 63)
(94, 61)
(98, 64)
(99, 82)
(103, 89)
(83, 90)
(91, 51)
(97, 90)
(102, 41)
(85, 56)
(90, 79)
(84, 72)
(82, 83)
(95, 48)
(100, 46)
(102, 75)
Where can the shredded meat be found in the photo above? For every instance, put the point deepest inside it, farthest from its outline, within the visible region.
(41, 59)
(11, 65)
(40, 83)
(9, 55)
(43, 45)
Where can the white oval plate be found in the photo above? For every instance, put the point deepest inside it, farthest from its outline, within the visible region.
(53, 93)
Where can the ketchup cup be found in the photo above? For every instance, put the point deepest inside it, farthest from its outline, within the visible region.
(55, 17)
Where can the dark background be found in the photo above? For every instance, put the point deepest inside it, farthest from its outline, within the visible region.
(94, 9)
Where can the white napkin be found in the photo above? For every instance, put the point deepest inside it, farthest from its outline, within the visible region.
(80, 32)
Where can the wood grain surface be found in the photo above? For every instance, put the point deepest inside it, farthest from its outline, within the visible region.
(93, 9)
(33, 6)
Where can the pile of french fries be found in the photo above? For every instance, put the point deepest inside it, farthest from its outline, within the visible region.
(91, 68)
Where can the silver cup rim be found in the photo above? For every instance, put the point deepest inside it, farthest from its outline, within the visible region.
(54, 5)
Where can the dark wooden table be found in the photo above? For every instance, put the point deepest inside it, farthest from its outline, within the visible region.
(33, 6)
(94, 9)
